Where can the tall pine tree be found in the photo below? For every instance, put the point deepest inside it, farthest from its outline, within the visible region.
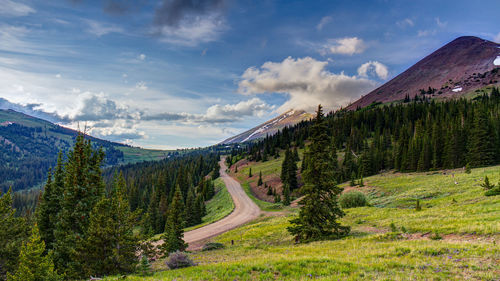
(319, 212)
(173, 238)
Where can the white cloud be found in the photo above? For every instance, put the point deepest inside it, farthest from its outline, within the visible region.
(14, 9)
(344, 46)
(441, 24)
(373, 67)
(406, 22)
(231, 112)
(424, 33)
(141, 57)
(497, 38)
(58, 75)
(306, 82)
(324, 21)
(193, 31)
(99, 29)
(141, 85)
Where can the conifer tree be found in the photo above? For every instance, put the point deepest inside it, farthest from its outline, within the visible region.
(191, 215)
(83, 188)
(174, 228)
(111, 246)
(33, 264)
(13, 232)
(319, 210)
(50, 204)
(286, 195)
(250, 172)
(259, 182)
(481, 149)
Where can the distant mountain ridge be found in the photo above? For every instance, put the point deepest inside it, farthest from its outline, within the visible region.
(270, 127)
(29, 147)
(465, 64)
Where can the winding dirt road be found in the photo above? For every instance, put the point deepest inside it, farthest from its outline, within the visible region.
(244, 211)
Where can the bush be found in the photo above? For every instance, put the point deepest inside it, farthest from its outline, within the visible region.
(179, 260)
(212, 246)
(493, 192)
(353, 199)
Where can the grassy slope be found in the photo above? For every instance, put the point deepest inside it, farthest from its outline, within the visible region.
(218, 207)
(264, 250)
(272, 167)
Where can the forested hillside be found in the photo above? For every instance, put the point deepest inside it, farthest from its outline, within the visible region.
(416, 135)
(151, 186)
(29, 147)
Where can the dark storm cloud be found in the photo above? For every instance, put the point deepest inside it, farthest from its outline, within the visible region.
(173, 12)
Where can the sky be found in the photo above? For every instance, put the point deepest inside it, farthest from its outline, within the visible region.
(170, 74)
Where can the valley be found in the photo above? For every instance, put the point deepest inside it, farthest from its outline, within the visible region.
(454, 236)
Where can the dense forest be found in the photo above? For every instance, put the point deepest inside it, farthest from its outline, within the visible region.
(151, 186)
(414, 135)
(88, 222)
(27, 153)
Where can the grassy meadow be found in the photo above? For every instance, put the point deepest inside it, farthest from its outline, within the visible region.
(455, 236)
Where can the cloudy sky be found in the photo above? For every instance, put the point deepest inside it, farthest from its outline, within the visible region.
(178, 73)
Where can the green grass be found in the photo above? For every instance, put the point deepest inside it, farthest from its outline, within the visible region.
(270, 167)
(220, 206)
(264, 250)
(446, 207)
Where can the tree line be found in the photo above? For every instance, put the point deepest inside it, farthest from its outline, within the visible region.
(86, 221)
(421, 135)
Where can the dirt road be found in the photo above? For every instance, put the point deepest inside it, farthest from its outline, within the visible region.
(244, 211)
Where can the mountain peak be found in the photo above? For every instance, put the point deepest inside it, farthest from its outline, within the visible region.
(288, 118)
(465, 64)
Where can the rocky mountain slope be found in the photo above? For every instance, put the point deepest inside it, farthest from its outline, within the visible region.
(270, 127)
(461, 66)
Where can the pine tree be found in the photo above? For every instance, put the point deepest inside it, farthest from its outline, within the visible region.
(111, 246)
(319, 210)
(33, 264)
(259, 182)
(50, 204)
(481, 149)
(191, 216)
(250, 172)
(13, 232)
(174, 228)
(144, 268)
(83, 188)
(286, 195)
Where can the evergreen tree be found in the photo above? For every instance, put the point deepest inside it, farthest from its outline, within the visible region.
(33, 264)
(13, 232)
(190, 213)
(319, 210)
(50, 204)
(286, 195)
(111, 246)
(216, 172)
(83, 188)
(481, 149)
(259, 182)
(174, 228)
(250, 172)
(144, 268)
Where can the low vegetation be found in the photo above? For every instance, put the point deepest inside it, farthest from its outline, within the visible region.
(453, 237)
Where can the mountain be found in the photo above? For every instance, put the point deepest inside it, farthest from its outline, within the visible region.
(462, 66)
(29, 147)
(270, 127)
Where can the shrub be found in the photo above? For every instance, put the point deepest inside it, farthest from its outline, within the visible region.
(179, 260)
(144, 267)
(418, 207)
(493, 192)
(353, 199)
(212, 246)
